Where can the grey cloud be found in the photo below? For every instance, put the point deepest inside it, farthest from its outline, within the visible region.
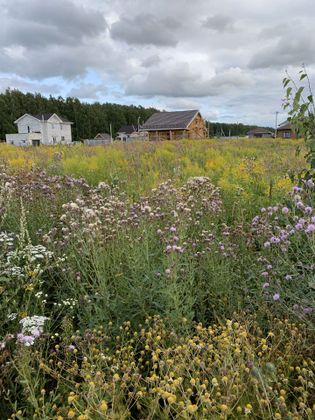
(146, 29)
(180, 103)
(64, 61)
(67, 16)
(182, 81)
(150, 61)
(27, 86)
(87, 91)
(219, 23)
(38, 23)
(173, 51)
(294, 50)
(233, 78)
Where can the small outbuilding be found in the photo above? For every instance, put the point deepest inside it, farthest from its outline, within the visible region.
(175, 125)
(285, 131)
(260, 133)
(100, 138)
(126, 132)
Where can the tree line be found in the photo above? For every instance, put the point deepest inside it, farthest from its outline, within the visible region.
(89, 119)
(217, 129)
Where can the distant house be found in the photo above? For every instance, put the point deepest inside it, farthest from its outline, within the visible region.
(285, 131)
(260, 133)
(100, 138)
(175, 125)
(34, 130)
(125, 132)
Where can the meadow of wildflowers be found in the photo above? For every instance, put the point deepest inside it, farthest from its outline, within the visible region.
(147, 281)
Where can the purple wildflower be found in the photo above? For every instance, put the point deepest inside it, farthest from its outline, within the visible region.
(308, 210)
(298, 226)
(297, 188)
(276, 297)
(310, 228)
(307, 310)
(274, 240)
(27, 340)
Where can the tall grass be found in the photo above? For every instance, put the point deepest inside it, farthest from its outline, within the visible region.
(202, 235)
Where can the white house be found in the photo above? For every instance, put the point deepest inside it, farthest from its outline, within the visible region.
(34, 130)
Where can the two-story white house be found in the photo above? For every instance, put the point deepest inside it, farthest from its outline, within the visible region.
(34, 130)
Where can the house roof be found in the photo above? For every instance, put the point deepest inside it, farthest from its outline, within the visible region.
(286, 125)
(127, 129)
(170, 120)
(46, 116)
(43, 117)
(259, 130)
(101, 136)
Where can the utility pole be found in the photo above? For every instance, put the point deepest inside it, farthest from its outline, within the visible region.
(276, 127)
(111, 132)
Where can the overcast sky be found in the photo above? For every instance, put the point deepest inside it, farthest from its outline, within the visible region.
(224, 57)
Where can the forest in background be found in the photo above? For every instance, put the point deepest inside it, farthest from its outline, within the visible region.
(88, 118)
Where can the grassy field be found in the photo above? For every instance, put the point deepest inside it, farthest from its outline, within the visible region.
(157, 280)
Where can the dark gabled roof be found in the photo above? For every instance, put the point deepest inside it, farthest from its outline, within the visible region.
(127, 129)
(101, 136)
(170, 120)
(286, 125)
(46, 116)
(259, 130)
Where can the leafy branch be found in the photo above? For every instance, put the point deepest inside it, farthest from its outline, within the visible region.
(299, 100)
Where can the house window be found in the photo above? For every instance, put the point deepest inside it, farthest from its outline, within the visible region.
(53, 126)
(28, 129)
(287, 134)
(62, 138)
(54, 140)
